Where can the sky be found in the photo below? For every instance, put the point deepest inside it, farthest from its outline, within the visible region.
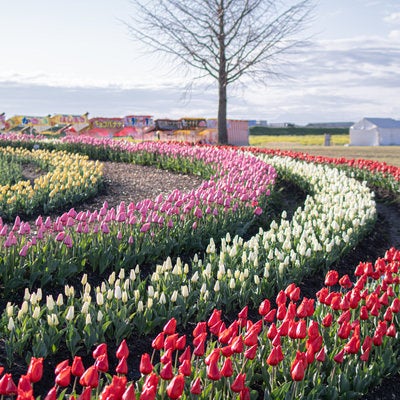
(76, 56)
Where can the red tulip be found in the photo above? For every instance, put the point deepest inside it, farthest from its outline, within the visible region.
(195, 387)
(339, 357)
(170, 341)
(145, 364)
(315, 343)
(35, 369)
(213, 372)
(277, 340)
(176, 386)
(122, 367)
(388, 316)
(275, 356)
(391, 331)
(102, 363)
(301, 330)
(238, 384)
(217, 327)
(272, 331)
(251, 337)
(158, 342)
(345, 282)
(251, 352)
(281, 313)
(270, 316)
(364, 313)
(86, 394)
(227, 368)
(281, 298)
(237, 344)
(51, 394)
(313, 330)
(200, 349)
(395, 306)
(355, 298)
(151, 380)
(201, 327)
(167, 372)
(297, 371)
(199, 338)
(77, 368)
(284, 328)
(148, 393)
(331, 278)
(129, 393)
(90, 377)
(322, 295)
(215, 317)
(344, 317)
(306, 308)
(24, 385)
(291, 311)
(321, 355)
(213, 356)
(100, 350)
(344, 330)
(181, 343)
(60, 366)
(352, 346)
(244, 312)
(63, 378)
(186, 355)
(122, 351)
(365, 356)
(367, 343)
(7, 385)
(170, 327)
(185, 368)
(264, 307)
(167, 356)
(245, 394)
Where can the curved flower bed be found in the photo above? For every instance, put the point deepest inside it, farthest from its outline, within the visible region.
(378, 174)
(135, 233)
(225, 278)
(71, 178)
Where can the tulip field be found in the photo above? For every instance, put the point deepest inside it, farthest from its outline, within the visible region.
(223, 306)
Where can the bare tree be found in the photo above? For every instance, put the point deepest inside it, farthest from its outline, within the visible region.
(223, 39)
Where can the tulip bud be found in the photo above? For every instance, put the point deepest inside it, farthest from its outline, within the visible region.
(70, 313)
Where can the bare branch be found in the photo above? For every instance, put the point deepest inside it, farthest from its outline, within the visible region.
(223, 39)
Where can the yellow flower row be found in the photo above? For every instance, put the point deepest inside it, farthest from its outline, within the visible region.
(69, 177)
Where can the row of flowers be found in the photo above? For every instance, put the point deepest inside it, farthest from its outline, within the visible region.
(150, 230)
(71, 178)
(11, 170)
(378, 174)
(336, 346)
(333, 220)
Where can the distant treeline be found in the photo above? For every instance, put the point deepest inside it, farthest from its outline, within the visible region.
(296, 131)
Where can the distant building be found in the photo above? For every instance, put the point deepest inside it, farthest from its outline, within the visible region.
(257, 122)
(344, 125)
(281, 125)
(375, 132)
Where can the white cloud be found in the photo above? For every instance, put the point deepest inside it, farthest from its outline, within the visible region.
(393, 18)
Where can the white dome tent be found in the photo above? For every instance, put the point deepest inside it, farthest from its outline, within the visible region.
(375, 132)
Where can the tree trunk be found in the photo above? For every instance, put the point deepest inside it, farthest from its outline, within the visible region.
(222, 77)
(222, 125)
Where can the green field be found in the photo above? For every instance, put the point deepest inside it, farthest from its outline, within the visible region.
(304, 140)
(388, 154)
